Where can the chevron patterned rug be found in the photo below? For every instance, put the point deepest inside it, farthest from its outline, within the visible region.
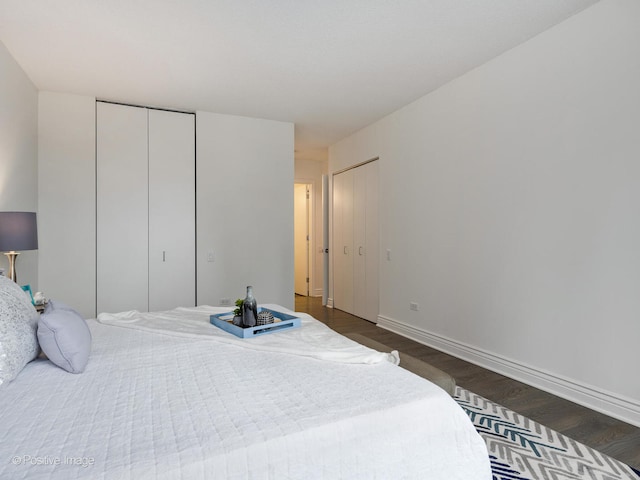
(521, 449)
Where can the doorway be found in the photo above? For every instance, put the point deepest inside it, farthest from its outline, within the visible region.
(302, 236)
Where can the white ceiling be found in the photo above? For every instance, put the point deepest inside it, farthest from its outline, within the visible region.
(330, 66)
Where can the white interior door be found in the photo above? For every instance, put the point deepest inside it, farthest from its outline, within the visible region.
(121, 208)
(343, 241)
(325, 239)
(355, 240)
(360, 248)
(371, 307)
(172, 216)
(301, 238)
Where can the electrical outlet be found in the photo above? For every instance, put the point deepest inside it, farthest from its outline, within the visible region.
(413, 306)
(225, 302)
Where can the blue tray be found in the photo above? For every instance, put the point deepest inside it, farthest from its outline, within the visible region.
(283, 321)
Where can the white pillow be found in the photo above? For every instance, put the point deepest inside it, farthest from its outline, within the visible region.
(64, 337)
(18, 337)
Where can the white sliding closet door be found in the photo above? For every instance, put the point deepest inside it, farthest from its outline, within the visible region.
(172, 216)
(121, 208)
(145, 167)
(371, 306)
(360, 248)
(355, 226)
(343, 296)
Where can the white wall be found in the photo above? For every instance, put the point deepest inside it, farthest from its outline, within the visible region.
(18, 154)
(311, 171)
(244, 185)
(511, 206)
(67, 199)
(244, 202)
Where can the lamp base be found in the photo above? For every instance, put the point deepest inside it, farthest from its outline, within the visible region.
(12, 264)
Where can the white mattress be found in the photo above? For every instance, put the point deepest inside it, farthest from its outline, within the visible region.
(157, 405)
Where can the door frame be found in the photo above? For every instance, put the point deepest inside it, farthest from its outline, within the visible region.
(310, 237)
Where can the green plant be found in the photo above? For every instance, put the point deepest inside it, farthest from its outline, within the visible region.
(238, 311)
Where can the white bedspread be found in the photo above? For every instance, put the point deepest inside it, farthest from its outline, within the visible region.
(159, 404)
(315, 339)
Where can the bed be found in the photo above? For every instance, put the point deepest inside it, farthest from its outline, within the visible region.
(168, 395)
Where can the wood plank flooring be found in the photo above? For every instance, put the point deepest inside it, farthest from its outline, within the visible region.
(608, 435)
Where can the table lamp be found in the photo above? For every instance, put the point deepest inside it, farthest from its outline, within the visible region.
(18, 231)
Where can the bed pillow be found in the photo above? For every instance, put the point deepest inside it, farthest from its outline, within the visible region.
(18, 338)
(64, 337)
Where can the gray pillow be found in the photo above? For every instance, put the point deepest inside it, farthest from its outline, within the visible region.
(64, 337)
(18, 340)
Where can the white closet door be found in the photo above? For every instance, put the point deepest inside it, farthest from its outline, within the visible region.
(360, 248)
(121, 208)
(356, 244)
(365, 237)
(171, 210)
(371, 306)
(343, 241)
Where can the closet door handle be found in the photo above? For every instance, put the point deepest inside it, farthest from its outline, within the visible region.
(360, 251)
(346, 251)
(164, 256)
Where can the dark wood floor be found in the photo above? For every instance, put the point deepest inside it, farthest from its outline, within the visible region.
(608, 435)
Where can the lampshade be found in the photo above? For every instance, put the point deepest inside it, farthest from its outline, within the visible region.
(18, 231)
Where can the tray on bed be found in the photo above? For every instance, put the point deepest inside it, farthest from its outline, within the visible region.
(282, 321)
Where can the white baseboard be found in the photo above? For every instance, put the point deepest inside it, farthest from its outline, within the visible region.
(329, 302)
(614, 405)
